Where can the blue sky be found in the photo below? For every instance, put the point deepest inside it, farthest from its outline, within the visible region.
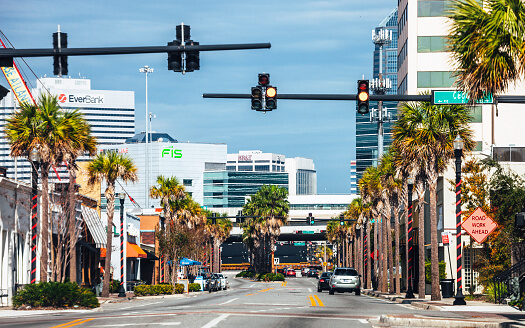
(317, 47)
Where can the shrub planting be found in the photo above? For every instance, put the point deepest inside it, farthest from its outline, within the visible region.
(55, 294)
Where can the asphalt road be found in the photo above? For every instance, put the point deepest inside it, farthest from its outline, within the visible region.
(295, 303)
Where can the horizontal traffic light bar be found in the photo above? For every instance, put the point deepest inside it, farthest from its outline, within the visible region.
(11, 53)
(427, 98)
(323, 96)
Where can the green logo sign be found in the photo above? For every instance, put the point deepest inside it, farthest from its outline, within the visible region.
(170, 152)
(452, 97)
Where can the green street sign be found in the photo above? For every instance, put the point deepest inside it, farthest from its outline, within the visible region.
(453, 97)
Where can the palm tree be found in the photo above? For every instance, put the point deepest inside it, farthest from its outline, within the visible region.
(81, 143)
(486, 39)
(44, 129)
(110, 166)
(270, 204)
(424, 134)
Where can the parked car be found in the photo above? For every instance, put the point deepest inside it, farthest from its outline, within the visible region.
(281, 271)
(290, 273)
(324, 281)
(345, 280)
(223, 281)
(313, 273)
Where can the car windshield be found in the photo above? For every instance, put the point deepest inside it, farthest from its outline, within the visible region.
(326, 274)
(345, 272)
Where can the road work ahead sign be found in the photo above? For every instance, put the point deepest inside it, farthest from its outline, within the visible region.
(479, 225)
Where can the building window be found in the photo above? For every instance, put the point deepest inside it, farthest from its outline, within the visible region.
(479, 146)
(437, 79)
(476, 114)
(230, 168)
(187, 182)
(432, 44)
(262, 167)
(432, 8)
(245, 168)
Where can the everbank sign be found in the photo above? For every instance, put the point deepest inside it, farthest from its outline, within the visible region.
(85, 99)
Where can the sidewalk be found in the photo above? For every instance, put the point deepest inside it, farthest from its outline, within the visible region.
(476, 314)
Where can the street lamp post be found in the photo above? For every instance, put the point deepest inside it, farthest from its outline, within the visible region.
(146, 69)
(458, 152)
(34, 156)
(410, 266)
(122, 292)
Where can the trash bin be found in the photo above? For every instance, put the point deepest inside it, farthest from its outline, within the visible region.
(447, 288)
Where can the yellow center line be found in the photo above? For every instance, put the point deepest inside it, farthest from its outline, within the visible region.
(72, 323)
(312, 301)
(318, 300)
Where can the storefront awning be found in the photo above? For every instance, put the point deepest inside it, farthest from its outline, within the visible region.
(94, 225)
(132, 250)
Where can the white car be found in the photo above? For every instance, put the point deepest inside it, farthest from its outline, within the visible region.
(223, 280)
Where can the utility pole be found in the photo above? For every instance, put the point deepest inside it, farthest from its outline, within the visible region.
(146, 69)
(380, 85)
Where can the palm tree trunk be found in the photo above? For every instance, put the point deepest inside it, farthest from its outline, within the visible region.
(72, 224)
(421, 238)
(376, 251)
(380, 255)
(436, 294)
(368, 259)
(385, 255)
(390, 252)
(396, 256)
(110, 196)
(44, 258)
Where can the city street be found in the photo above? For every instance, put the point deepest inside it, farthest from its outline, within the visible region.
(295, 303)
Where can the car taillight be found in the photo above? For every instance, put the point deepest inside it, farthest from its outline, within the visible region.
(321, 280)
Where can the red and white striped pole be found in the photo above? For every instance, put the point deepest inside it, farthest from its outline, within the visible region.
(458, 152)
(122, 291)
(34, 216)
(410, 232)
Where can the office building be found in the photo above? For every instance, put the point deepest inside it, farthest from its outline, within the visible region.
(353, 178)
(170, 158)
(111, 115)
(366, 125)
(425, 63)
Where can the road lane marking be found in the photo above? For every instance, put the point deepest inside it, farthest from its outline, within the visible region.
(318, 300)
(72, 323)
(215, 321)
(142, 324)
(309, 290)
(312, 301)
(284, 283)
(363, 321)
(233, 299)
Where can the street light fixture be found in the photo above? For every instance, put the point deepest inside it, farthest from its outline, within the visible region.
(34, 157)
(410, 266)
(122, 292)
(146, 69)
(458, 153)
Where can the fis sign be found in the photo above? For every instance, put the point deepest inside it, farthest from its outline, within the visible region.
(170, 152)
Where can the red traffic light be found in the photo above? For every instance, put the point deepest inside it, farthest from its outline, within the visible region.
(264, 79)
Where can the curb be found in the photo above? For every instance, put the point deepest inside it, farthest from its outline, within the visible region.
(427, 322)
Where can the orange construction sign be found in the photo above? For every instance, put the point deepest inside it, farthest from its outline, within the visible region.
(479, 226)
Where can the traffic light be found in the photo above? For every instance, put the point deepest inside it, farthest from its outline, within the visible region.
(59, 62)
(271, 102)
(342, 219)
(239, 218)
(179, 29)
(264, 79)
(213, 218)
(175, 58)
(192, 59)
(363, 97)
(311, 219)
(257, 98)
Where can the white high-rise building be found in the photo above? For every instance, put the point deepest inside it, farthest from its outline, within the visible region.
(110, 113)
(424, 64)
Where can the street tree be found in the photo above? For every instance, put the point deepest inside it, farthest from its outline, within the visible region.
(424, 134)
(110, 166)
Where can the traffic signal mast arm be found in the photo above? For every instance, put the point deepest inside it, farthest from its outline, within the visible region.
(323, 96)
(6, 54)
